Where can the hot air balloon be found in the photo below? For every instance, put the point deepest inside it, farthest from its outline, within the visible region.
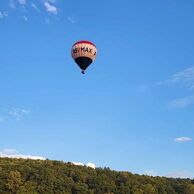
(84, 53)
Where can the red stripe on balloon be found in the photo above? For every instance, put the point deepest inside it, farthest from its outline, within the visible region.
(84, 42)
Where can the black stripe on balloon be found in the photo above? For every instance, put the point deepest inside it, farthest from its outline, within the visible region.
(83, 62)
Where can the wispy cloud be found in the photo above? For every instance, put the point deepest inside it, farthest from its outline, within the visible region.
(1, 119)
(182, 139)
(71, 20)
(18, 113)
(12, 153)
(176, 174)
(182, 102)
(185, 78)
(149, 173)
(25, 18)
(50, 8)
(52, 1)
(3, 14)
(12, 4)
(34, 6)
(180, 174)
(9, 151)
(22, 2)
(24, 6)
(143, 88)
(47, 20)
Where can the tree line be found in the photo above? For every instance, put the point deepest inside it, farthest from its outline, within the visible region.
(19, 176)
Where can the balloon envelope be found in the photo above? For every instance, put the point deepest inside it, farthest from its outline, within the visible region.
(83, 53)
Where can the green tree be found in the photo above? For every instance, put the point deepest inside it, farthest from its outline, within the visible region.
(14, 181)
(80, 188)
(189, 189)
(148, 188)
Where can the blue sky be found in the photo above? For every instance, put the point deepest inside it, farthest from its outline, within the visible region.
(132, 111)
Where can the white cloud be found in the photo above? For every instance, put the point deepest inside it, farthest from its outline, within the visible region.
(18, 113)
(12, 153)
(180, 174)
(78, 163)
(51, 8)
(182, 102)
(182, 139)
(185, 78)
(89, 164)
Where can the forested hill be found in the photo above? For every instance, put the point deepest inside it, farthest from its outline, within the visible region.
(35, 176)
